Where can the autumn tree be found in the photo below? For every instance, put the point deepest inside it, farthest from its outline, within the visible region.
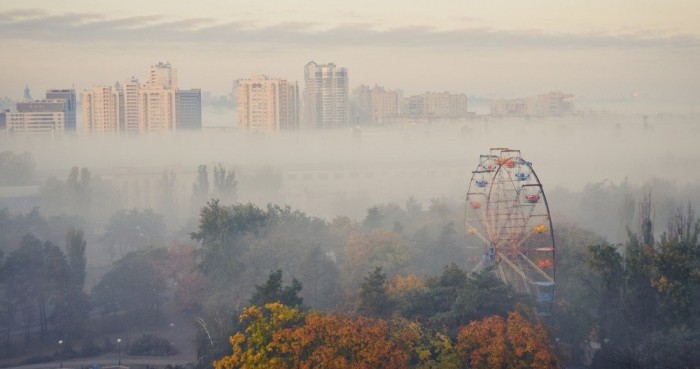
(336, 341)
(512, 343)
(254, 347)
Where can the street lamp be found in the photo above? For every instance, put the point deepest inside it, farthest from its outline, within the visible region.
(60, 352)
(119, 349)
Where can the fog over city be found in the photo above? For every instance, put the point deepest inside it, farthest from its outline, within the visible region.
(356, 185)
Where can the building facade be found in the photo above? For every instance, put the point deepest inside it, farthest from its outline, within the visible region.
(157, 99)
(268, 104)
(130, 104)
(385, 105)
(552, 104)
(188, 109)
(325, 99)
(435, 105)
(34, 123)
(101, 110)
(70, 108)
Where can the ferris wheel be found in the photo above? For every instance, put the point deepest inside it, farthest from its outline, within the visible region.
(507, 212)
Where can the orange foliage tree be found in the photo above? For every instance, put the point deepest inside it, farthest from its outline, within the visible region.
(515, 343)
(335, 341)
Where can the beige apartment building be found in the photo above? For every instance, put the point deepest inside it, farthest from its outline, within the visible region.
(435, 105)
(385, 104)
(158, 99)
(101, 110)
(268, 104)
(132, 108)
(552, 104)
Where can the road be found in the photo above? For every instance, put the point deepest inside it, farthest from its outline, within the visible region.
(104, 361)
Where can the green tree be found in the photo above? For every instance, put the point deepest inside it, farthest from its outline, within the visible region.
(273, 291)
(374, 300)
(224, 232)
(134, 284)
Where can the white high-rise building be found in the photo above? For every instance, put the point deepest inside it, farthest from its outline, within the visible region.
(101, 110)
(325, 101)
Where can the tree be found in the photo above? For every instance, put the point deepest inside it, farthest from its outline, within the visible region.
(374, 300)
(75, 250)
(364, 251)
(133, 230)
(168, 195)
(72, 314)
(515, 343)
(335, 341)
(134, 284)
(254, 347)
(16, 169)
(200, 189)
(273, 291)
(223, 232)
(225, 183)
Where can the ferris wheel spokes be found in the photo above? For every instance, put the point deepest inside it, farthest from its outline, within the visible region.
(507, 211)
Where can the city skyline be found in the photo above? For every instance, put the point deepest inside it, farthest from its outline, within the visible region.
(501, 50)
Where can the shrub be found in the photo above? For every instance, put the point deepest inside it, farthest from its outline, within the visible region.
(151, 345)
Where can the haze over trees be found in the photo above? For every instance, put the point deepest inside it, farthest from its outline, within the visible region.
(209, 250)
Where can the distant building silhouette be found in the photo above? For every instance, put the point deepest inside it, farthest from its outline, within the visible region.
(27, 93)
(552, 104)
(188, 109)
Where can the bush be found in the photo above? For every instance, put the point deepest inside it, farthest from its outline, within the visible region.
(151, 345)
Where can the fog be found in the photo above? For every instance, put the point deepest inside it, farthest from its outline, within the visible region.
(142, 199)
(345, 171)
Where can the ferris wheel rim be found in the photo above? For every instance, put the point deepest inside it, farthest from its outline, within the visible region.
(520, 262)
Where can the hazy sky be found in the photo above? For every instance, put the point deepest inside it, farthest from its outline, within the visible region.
(593, 48)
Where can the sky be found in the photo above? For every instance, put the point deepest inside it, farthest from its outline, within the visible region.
(496, 49)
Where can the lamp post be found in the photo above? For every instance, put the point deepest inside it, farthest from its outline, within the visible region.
(119, 349)
(60, 352)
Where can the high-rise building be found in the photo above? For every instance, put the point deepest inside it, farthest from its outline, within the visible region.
(268, 104)
(68, 95)
(101, 110)
(360, 105)
(325, 101)
(188, 106)
(385, 104)
(163, 75)
(157, 99)
(130, 107)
